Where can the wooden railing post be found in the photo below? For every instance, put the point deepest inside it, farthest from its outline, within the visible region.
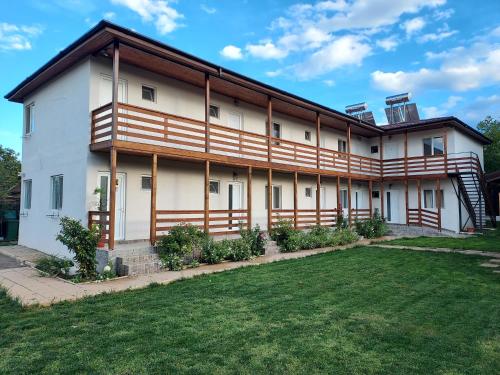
(445, 150)
(318, 143)
(269, 200)
(349, 183)
(207, 112)
(318, 198)
(370, 203)
(206, 212)
(438, 201)
(152, 225)
(295, 199)
(349, 149)
(112, 199)
(419, 193)
(407, 203)
(114, 94)
(249, 198)
(269, 128)
(339, 206)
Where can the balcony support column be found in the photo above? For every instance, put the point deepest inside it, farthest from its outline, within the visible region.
(114, 93)
(381, 183)
(349, 203)
(249, 198)
(339, 206)
(152, 225)
(295, 199)
(207, 112)
(349, 150)
(318, 143)
(407, 204)
(206, 218)
(438, 201)
(370, 203)
(112, 198)
(382, 202)
(318, 199)
(269, 128)
(419, 196)
(269, 200)
(445, 150)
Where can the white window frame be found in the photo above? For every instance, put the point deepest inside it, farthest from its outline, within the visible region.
(424, 203)
(344, 193)
(308, 135)
(31, 108)
(344, 145)
(432, 145)
(218, 110)
(280, 202)
(53, 204)
(27, 193)
(308, 188)
(155, 93)
(150, 184)
(218, 186)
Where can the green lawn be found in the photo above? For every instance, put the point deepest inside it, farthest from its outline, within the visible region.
(361, 311)
(489, 241)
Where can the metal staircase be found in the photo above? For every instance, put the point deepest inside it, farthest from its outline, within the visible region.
(471, 189)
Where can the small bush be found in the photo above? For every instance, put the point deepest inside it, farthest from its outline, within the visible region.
(213, 252)
(371, 228)
(181, 240)
(282, 231)
(82, 242)
(293, 242)
(341, 221)
(55, 266)
(239, 249)
(344, 237)
(172, 262)
(256, 238)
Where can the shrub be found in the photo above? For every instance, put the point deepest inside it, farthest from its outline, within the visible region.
(292, 242)
(239, 249)
(282, 231)
(341, 222)
(256, 238)
(107, 273)
(82, 242)
(371, 228)
(213, 252)
(55, 266)
(181, 240)
(344, 237)
(172, 262)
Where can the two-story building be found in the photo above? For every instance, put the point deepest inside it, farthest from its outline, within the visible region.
(124, 131)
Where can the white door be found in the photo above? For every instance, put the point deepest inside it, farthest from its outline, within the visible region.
(392, 206)
(103, 184)
(322, 197)
(235, 202)
(234, 121)
(106, 95)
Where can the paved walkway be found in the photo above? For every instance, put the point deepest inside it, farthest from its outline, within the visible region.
(30, 288)
(488, 254)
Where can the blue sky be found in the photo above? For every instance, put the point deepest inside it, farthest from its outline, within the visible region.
(339, 52)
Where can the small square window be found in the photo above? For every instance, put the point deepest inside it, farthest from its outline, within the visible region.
(375, 194)
(214, 187)
(148, 93)
(214, 111)
(146, 182)
(307, 135)
(308, 192)
(374, 149)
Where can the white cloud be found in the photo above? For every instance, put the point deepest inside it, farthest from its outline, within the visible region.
(436, 37)
(14, 37)
(329, 82)
(443, 109)
(413, 25)
(444, 14)
(481, 107)
(207, 9)
(109, 15)
(461, 69)
(165, 18)
(231, 52)
(388, 44)
(266, 50)
(274, 73)
(495, 31)
(346, 50)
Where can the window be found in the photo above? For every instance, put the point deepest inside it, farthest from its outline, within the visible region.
(343, 199)
(441, 197)
(148, 93)
(27, 194)
(276, 197)
(214, 187)
(307, 135)
(374, 149)
(433, 146)
(428, 199)
(56, 192)
(375, 194)
(146, 182)
(214, 111)
(342, 146)
(103, 192)
(308, 192)
(29, 118)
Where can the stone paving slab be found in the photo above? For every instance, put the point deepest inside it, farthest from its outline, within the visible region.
(22, 254)
(30, 288)
(488, 254)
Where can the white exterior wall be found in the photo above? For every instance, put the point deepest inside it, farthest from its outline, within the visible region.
(59, 144)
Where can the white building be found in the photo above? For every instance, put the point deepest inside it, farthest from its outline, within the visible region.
(193, 138)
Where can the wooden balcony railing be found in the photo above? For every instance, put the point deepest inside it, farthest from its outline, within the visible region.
(101, 219)
(221, 222)
(424, 217)
(145, 126)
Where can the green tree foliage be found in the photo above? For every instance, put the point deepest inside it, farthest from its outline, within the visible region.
(10, 167)
(491, 129)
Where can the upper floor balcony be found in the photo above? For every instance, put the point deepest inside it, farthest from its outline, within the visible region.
(141, 130)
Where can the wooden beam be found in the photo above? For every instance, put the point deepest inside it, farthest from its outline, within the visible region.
(249, 198)
(419, 196)
(318, 198)
(207, 112)
(438, 201)
(269, 128)
(112, 198)
(349, 149)
(406, 153)
(114, 93)
(407, 207)
(445, 149)
(382, 208)
(370, 203)
(295, 199)
(349, 205)
(318, 134)
(269, 200)
(206, 212)
(152, 222)
(381, 155)
(339, 206)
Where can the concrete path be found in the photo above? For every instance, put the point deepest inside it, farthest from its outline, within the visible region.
(8, 262)
(488, 254)
(29, 287)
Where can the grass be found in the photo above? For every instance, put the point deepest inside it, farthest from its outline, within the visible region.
(362, 311)
(489, 241)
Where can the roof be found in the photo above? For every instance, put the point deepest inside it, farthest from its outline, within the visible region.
(436, 122)
(105, 32)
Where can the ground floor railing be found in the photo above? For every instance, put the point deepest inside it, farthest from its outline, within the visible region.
(424, 217)
(100, 219)
(305, 218)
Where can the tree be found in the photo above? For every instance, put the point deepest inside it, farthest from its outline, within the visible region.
(10, 167)
(491, 129)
